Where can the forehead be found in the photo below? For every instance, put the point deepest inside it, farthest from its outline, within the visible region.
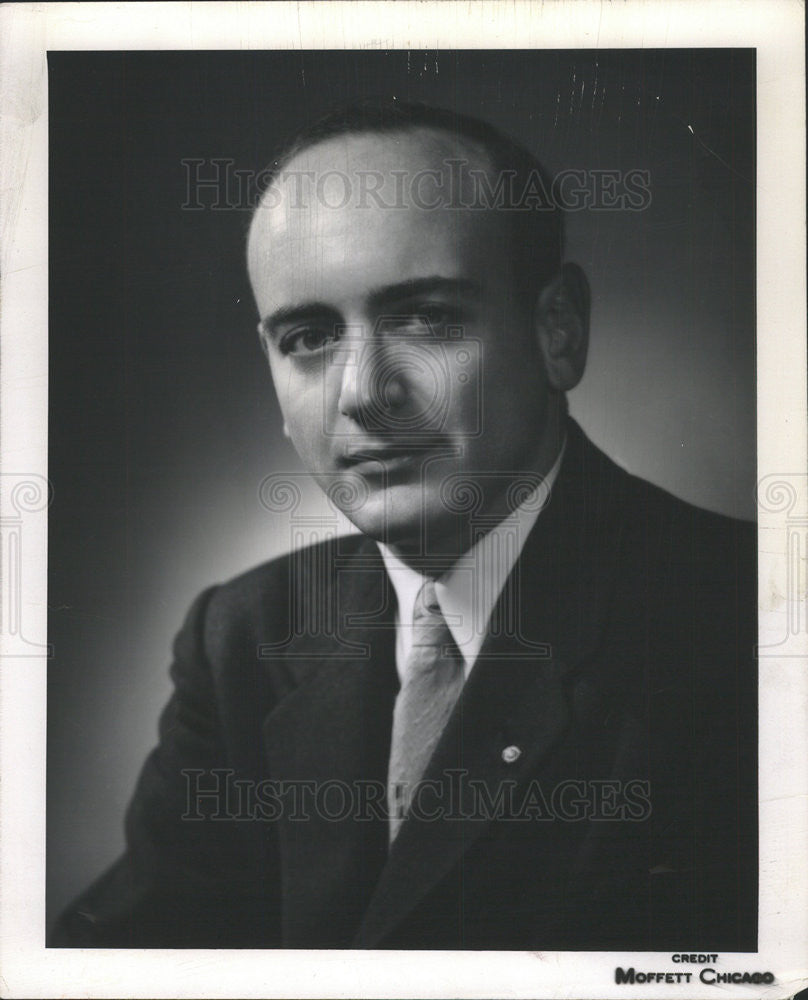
(361, 211)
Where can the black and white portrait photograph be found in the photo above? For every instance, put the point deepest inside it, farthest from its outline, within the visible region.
(413, 532)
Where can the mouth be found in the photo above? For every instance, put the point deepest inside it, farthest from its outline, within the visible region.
(376, 460)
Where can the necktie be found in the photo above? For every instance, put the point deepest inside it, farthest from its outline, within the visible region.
(432, 685)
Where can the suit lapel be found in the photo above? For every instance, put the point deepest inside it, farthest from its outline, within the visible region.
(469, 769)
(329, 742)
(546, 624)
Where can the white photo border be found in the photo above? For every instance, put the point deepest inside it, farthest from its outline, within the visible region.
(775, 29)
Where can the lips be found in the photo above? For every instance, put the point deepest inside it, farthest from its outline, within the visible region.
(376, 456)
(380, 458)
(372, 453)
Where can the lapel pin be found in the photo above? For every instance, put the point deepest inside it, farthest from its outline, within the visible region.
(511, 754)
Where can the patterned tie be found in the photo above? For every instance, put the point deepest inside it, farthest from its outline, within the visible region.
(432, 684)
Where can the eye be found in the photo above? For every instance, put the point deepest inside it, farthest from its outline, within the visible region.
(307, 339)
(430, 316)
(436, 315)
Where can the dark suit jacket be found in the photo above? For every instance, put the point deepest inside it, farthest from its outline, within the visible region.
(620, 663)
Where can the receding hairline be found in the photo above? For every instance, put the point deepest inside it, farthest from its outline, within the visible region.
(487, 159)
(386, 117)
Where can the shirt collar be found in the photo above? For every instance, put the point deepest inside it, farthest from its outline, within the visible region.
(468, 592)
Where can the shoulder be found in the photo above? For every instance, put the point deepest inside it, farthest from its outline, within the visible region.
(676, 586)
(688, 537)
(230, 625)
(261, 593)
(655, 523)
(669, 577)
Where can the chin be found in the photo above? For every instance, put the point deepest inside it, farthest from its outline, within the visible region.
(406, 517)
(384, 514)
(390, 531)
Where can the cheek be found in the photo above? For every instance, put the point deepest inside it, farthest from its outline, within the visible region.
(302, 398)
(511, 396)
(446, 386)
(512, 363)
(485, 388)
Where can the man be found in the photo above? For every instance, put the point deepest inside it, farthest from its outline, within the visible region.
(518, 709)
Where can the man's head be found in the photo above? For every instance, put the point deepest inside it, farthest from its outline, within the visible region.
(419, 326)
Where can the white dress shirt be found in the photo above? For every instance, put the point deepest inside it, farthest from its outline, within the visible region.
(468, 592)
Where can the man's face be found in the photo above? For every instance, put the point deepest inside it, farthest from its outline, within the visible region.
(403, 362)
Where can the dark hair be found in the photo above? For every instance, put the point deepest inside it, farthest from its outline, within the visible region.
(536, 228)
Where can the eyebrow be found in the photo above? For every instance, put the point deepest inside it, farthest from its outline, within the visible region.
(297, 314)
(422, 286)
(377, 299)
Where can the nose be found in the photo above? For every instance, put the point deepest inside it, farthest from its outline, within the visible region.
(373, 386)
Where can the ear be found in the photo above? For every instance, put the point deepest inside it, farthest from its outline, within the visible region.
(561, 322)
